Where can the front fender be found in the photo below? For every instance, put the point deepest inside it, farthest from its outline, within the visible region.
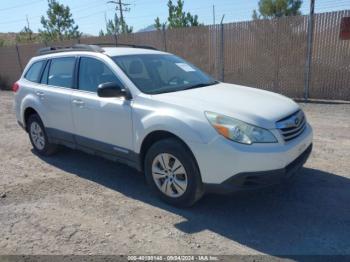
(177, 123)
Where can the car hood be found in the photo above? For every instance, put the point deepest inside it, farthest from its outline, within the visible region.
(251, 105)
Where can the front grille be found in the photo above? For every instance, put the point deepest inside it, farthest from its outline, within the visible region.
(292, 126)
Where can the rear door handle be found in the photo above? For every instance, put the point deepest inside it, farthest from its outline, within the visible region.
(40, 94)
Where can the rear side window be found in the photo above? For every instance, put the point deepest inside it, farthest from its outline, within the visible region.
(33, 73)
(61, 72)
(92, 73)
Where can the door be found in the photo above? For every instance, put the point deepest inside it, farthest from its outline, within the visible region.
(55, 93)
(102, 124)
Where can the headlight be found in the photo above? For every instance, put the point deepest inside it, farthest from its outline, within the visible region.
(239, 131)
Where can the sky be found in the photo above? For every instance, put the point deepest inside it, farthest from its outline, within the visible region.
(90, 15)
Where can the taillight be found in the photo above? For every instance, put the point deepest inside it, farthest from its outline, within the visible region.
(15, 87)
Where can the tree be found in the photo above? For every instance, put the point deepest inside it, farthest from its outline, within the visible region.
(269, 9)
(26, 35)
(177, 17)
(59, 23)
(125, 29)
(157, 24)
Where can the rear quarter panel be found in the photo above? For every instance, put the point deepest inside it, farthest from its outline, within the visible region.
(26, 98)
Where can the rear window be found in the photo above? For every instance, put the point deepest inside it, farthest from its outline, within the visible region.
(61, 72)
(33, 73)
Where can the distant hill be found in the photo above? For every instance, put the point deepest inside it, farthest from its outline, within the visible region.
(148, 29)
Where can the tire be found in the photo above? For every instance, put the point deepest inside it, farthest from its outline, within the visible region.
(179, 186)
(38, 137)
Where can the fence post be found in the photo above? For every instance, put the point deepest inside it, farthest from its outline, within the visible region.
(310, 34)
(19, 58)
(115, 39)
(276, 84)
(164, 37)
(222, 57)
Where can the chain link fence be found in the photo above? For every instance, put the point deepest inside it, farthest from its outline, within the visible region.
(267, 54)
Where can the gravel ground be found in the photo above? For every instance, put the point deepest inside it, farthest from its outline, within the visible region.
(74, 203)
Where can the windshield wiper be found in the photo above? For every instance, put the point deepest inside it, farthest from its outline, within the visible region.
(200, 85)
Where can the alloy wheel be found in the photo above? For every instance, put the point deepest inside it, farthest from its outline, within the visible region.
(169, 175)
(37, 135)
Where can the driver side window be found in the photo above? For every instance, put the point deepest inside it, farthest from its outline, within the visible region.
(92, 73)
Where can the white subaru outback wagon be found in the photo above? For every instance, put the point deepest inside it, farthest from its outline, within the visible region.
(151, 110)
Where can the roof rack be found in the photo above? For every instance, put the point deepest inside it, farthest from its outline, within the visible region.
(77, 47)
(127, 45)
(85, 47)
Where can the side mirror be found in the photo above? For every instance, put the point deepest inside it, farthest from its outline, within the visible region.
(111, 89)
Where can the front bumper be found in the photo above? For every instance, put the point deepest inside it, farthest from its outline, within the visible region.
(254, 180)
(222, 159)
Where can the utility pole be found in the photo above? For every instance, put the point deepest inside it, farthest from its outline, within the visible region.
(310, 34)
(213, 14)
(121, 7)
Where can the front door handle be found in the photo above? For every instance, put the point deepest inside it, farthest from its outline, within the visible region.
(78, 102)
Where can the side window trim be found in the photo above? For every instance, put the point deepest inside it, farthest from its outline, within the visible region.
(47, 64)
(76, 73)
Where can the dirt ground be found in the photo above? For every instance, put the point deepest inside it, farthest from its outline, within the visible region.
(74, 203)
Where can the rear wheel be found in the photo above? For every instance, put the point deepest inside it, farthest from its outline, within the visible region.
(172, 172)
(38, 136)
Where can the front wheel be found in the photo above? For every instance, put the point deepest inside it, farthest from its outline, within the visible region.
(172, 172)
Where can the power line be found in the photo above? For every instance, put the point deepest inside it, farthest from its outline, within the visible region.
(333, 4)
(89, 15)
(330, 2)
(76, 8)
(237, 13)
(17, 6)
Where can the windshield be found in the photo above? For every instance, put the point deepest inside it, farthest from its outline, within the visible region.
(161, 73)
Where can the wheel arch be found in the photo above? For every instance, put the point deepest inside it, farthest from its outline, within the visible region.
(156, 136)
(30, 105)
(26, 114)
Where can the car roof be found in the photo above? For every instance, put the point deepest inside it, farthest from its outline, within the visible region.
(120, 51)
